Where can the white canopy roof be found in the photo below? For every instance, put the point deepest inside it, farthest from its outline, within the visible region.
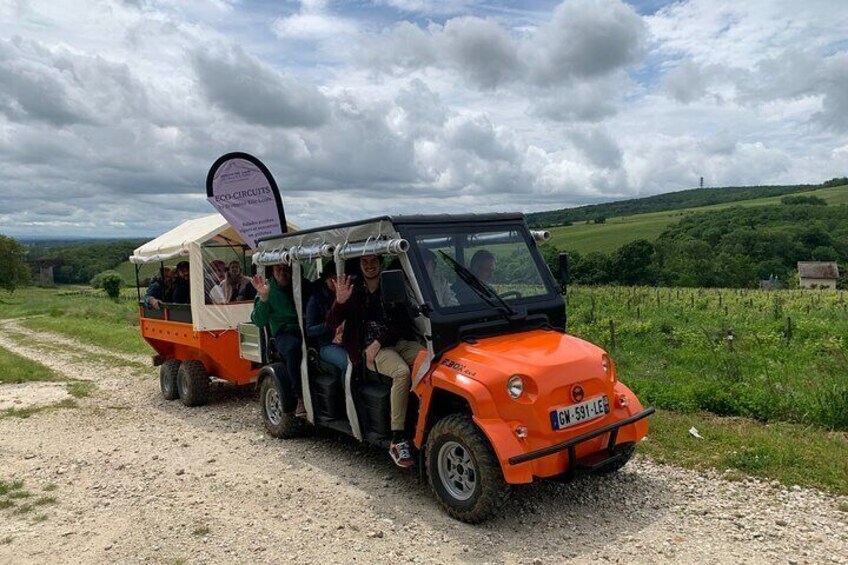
(175, 243)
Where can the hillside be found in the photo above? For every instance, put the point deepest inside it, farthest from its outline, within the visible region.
(618, 231)
(680, 200)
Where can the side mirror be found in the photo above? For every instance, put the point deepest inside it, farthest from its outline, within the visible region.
(563, 270)
(393, 288)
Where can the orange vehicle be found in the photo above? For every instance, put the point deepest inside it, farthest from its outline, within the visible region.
(196, 338)
(502, 395)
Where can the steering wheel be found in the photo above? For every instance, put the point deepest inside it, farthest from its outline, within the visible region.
(511, 294)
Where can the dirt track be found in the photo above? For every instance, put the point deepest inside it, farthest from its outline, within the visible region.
(140, 479)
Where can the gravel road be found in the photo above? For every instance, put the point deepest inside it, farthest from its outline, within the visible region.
(140, 479)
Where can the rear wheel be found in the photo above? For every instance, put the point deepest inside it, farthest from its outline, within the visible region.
(463, 471)
(168, 379)
(193, 383)
(279, 424)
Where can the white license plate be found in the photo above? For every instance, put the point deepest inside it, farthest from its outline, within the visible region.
(562, 418)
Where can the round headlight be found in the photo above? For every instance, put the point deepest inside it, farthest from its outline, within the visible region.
(606, 363)
(515, 386)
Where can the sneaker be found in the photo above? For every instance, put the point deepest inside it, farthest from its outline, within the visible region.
(300, 409)
(401, 454)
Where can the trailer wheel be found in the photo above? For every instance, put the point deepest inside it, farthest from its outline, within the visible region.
(193, 383)
(628, 450)
(168, 379)
(279, 424)
(463, 471)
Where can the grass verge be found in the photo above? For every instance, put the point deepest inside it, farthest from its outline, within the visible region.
(790, 453)
(15, 369)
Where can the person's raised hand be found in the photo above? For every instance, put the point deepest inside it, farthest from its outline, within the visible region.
(344, 288)
(261, 286)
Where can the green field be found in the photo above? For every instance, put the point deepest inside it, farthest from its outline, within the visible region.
(609, 236)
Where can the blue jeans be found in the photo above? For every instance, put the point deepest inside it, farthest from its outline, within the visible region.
(291, 353)
(334, 355)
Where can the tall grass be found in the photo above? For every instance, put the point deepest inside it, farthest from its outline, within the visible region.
(778, 355)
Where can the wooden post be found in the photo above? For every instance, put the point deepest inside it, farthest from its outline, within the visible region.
(788, 329)
(612, 333)
(593, 308)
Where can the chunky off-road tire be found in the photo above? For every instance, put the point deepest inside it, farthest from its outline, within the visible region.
(463, 471)
(168, 379)
(193, 383)
(628, 449)
(279, 424)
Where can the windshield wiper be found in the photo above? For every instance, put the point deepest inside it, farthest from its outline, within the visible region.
(478, 286)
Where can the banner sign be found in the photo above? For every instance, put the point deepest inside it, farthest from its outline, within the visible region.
(243, 190)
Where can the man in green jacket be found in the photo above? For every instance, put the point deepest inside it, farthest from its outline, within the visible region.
(274, 306)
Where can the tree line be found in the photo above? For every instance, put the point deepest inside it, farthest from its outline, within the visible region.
(692, 198)
(734, 248)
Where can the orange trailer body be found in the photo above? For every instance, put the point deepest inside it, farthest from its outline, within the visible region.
(217, 350)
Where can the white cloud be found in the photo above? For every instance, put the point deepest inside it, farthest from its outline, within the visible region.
(112, 112)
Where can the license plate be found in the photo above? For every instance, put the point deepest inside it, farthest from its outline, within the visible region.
(562, 418)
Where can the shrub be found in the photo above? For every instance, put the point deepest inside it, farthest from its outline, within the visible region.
(111, 283)
(97, 280)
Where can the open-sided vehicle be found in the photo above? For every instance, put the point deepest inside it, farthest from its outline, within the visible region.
(197, 340)
(502, 395)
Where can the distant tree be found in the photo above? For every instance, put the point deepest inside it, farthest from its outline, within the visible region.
(600, 219)
(836, 181)
(592, 268)
(97, 280)
(14, 271)
(803, 201)
(632, 263)
(825, 253)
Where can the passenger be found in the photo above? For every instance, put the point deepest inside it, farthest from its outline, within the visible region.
(444, 293)
(329, 340)
(160, 289)
(234, 288)
(387, 340)
(274, 306)
(212, 278)
(482, 266)
(182, 289)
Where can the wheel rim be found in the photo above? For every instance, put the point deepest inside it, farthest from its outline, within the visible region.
(457, 470)
(167, 383)
(273, 407)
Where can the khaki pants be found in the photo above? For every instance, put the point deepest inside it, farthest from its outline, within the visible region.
(395, 362)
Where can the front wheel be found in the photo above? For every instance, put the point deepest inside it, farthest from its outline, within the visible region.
(279, 424)
(463, 471)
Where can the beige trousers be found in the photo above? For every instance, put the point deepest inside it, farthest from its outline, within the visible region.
(395, 362)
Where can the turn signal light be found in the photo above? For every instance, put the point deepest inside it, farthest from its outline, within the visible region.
(622, 401)
(521, 432)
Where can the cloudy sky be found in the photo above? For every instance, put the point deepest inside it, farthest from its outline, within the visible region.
(111, 112)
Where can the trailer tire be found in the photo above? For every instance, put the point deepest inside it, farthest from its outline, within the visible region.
(278, 424)
(628, 450)
(193, 383)
(168, 379)
(463, 471)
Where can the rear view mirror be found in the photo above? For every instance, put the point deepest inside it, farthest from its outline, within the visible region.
(563, 270)
(393, 288)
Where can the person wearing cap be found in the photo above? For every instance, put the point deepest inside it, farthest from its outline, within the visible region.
(330, 349)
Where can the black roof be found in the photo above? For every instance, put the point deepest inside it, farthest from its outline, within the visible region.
(414, 219)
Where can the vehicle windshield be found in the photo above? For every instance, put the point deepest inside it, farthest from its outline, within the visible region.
(470, 266)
